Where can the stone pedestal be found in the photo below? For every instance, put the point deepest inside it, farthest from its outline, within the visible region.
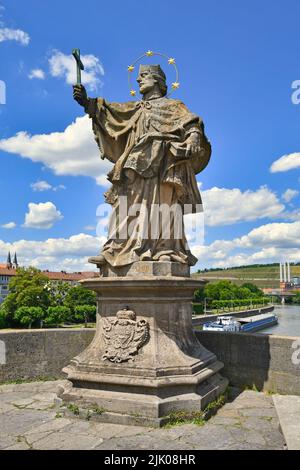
(145, 361)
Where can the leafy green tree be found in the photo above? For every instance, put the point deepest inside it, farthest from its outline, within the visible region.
(57, 291)
(34, 296)
(57, 315)
(29, 315)
(25, 289)
(253, 288)
(3, 322)
(79, 295)
(85, 313)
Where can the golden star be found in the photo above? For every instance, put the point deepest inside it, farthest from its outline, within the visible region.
(171, 61)
(149, 53)
(132, 92)
(130, 68)
(175, 85)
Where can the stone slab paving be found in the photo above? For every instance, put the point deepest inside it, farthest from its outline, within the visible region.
(30, 420)
(288, 410)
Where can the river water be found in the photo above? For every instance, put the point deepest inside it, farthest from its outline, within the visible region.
(288, 321)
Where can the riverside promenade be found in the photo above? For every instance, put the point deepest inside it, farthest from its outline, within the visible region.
(29, 419)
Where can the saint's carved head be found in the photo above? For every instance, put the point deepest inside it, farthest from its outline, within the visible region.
(152, 78)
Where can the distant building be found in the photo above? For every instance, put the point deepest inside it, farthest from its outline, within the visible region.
(9, 269)
(287, 282)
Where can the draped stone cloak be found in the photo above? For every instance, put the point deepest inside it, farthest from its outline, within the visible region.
(146, 141)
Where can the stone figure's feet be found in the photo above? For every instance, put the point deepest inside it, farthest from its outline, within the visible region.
(164, 258)
(98, 260)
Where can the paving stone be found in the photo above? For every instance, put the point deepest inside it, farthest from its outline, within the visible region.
(249, 422)
(288, 409)
(258, 424)
(259, 412)
(54, 425)
(66, 441)
(19, 446)
(226, 420)
(247, 436)
(209, 436)
(142, 443)
(17, 422)
(6, 440)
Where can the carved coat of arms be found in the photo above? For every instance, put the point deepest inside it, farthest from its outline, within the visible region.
(124, 336)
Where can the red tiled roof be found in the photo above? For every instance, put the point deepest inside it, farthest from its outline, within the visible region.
(53, 275)
(63, 276)
(4, 271)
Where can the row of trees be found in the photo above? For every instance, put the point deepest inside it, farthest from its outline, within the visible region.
(225, 294)
(34, 301)
(238, 303)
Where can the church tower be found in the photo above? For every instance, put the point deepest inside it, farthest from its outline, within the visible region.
(15, 262)
(8, 262)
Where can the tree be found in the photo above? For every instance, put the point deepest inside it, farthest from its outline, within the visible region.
(29, 315)
(253, 288)
(57, 315)
(85, 313)
(34, 296)
(79, 295)
(26, 289)
(57, 292)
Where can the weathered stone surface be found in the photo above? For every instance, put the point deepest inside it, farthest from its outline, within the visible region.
(145, 360)
(255, 359)
(288, 410)
(40, 353)
(28, 428)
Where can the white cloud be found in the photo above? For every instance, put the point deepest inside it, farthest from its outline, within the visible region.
(37, 73)
(45, 186)
(64, 66)
(286, 162)
(40, 186)
(268, 243)
(70, 254)
(7, 34)
(278, 235)
(90, 228)
(71, 152)
(289, 194)
(42, 215)
(228, 206)
(9, 225)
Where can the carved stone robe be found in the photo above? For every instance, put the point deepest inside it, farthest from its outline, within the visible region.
(146, 141)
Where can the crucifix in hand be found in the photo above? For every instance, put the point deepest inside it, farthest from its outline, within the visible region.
(80, 66)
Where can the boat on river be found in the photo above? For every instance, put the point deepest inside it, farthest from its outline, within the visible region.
(246, 324)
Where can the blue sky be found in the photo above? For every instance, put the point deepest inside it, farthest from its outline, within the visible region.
(237, 62)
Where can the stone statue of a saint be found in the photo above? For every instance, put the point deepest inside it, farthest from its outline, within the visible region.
(157, 146)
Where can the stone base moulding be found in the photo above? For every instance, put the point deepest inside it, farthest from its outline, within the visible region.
(145, 361)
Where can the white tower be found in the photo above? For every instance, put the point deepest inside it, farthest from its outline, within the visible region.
(288, 272)
(281, 272)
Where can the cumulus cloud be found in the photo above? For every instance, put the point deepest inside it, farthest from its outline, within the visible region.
(63, 66)
(9, 225)
(8, 34)
(282, 235)
(289, 194)
(265, 244)
(42, 215)
(70, 254)
(45, 186)
(286, 162)
(37, 73)
(228, 206)
(71, 152)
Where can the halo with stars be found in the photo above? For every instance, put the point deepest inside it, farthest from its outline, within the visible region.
(171, 61)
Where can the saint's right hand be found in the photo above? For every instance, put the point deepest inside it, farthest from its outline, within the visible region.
(80, 95)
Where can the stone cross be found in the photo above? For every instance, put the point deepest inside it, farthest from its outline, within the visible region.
(80, 66)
